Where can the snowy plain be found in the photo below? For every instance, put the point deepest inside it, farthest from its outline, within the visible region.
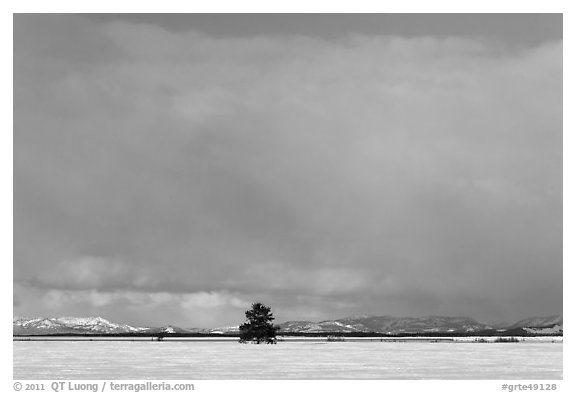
(286, 360)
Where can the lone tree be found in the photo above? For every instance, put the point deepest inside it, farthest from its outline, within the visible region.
(259, 328)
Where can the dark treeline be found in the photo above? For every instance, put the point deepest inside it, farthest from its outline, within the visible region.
(490, 333)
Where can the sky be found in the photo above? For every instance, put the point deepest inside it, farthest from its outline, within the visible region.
(174, 169)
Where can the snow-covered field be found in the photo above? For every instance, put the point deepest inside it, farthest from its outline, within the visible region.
(286, 360)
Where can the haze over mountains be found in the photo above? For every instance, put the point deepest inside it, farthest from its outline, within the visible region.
(361, 324)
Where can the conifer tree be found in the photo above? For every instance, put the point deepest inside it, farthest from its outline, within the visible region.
(258, 328)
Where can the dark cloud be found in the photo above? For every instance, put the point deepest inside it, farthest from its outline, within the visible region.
(159, 169)
(511, 29)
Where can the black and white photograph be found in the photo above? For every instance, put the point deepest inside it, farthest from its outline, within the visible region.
(288, 196)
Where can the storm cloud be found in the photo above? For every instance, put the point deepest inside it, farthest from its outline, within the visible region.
(176, 175)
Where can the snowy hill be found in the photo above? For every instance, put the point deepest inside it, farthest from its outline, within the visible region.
(539, 322)
(317, 327)
(170, 330)
(70, 325)
(224, 330)
(546, 331)
(387, 324)
(357, 324)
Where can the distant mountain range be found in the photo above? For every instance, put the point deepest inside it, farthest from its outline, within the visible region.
(538, 322)
(388, 324)
(69, 325)
(350, 325)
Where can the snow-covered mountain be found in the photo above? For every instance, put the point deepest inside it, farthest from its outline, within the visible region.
(224, 330)
(539, 322)
(387, 324)
(546, 331)
(552, 325)
(170, 329)
(430, 324)
(70, 325)
(318, 327)
(357, 324)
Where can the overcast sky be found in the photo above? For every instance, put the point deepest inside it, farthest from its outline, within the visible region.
(174, 169)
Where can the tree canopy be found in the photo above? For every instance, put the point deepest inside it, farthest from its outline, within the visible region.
(258, 328)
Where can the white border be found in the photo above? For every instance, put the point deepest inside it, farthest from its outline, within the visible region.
(300, 6)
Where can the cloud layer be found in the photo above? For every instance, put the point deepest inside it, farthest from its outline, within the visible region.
(175, 177)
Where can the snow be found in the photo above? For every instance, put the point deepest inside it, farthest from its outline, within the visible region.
(553, 330)
(286, 360)
(225, 329)
(46, 323)
(26, 321)
(96, 324)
